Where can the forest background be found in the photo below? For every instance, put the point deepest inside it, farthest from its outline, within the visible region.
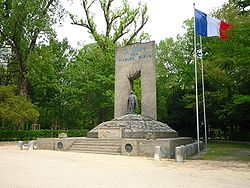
(47, 84)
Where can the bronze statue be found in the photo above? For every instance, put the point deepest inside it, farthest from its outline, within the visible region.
(132, 103)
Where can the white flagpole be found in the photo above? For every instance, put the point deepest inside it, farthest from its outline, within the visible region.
(203, 94)
(196, 87)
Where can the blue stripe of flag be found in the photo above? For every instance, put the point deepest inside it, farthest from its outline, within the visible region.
(200, 23)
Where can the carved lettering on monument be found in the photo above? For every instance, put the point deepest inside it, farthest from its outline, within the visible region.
(112, 132)
(134, 53)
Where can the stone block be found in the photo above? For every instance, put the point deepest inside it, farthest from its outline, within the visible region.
(188, 150)
(178, 154)
(20, 145)
(31, 145)
(157, 154)
(110, 132)
(183, 150)
(52, 143)
(62, 135)
(129, 147)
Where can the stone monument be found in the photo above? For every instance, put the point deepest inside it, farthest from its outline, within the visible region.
(133, 62)
(128, 133)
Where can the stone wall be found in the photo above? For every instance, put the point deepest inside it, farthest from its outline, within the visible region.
(146, 148)
(52, 143)
(139, 147)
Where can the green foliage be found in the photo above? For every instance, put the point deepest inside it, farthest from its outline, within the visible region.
(241, 99)
(16, 109)
(72, 90)
(175, 80)
(46, 73)
(90, 85)
(226, 72)
(231, 59)
(14, 135)
(243, 5)
(22, 23)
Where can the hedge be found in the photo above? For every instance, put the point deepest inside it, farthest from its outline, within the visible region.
(16, 135)
(240, 136)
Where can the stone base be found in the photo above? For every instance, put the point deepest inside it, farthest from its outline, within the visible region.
(133, 126)
(127, 147)
(146, 148)
(58, 144)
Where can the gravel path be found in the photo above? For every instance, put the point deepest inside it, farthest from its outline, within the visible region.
(47, 169)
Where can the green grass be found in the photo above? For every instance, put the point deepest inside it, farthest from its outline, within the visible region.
(226, 151)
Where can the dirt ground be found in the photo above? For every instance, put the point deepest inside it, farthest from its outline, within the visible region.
(47, 169)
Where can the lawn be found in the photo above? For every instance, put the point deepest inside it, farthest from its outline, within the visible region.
(227, 151)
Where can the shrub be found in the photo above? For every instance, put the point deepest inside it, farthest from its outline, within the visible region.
(15, 135)
(16, 109)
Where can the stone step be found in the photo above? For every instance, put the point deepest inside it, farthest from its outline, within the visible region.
(97, 143)
(95, 152)
(102, 146)
(93, 147)
(116, 149)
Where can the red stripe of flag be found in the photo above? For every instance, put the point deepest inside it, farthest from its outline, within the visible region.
(224, 30)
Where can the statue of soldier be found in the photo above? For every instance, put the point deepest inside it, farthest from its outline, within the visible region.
(132, 103)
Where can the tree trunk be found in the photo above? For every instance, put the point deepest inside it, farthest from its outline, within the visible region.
(22, 80)
(23, 84)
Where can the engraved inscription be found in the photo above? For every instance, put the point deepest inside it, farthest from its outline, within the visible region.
(111, 132)
(134, 53)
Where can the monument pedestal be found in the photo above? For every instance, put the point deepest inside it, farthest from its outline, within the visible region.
(139, 135)
(132, 126)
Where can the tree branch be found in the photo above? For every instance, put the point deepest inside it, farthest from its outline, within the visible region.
(90, 24)
(36, 31)
(118, 22)
(144, 20)
(124, 24)
(106, 11)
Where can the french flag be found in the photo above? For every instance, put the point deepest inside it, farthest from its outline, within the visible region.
(208, 27)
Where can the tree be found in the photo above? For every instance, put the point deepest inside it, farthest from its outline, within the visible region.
(124, 23)
(46, 74)
(90, 85)
(226, 71)
(244, 5)
(15, 109)
(232, 57)
(22, 24)
(175, 81)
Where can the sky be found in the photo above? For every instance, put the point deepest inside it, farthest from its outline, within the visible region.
(166, 18)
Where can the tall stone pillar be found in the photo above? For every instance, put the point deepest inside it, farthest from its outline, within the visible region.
(132, 62)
